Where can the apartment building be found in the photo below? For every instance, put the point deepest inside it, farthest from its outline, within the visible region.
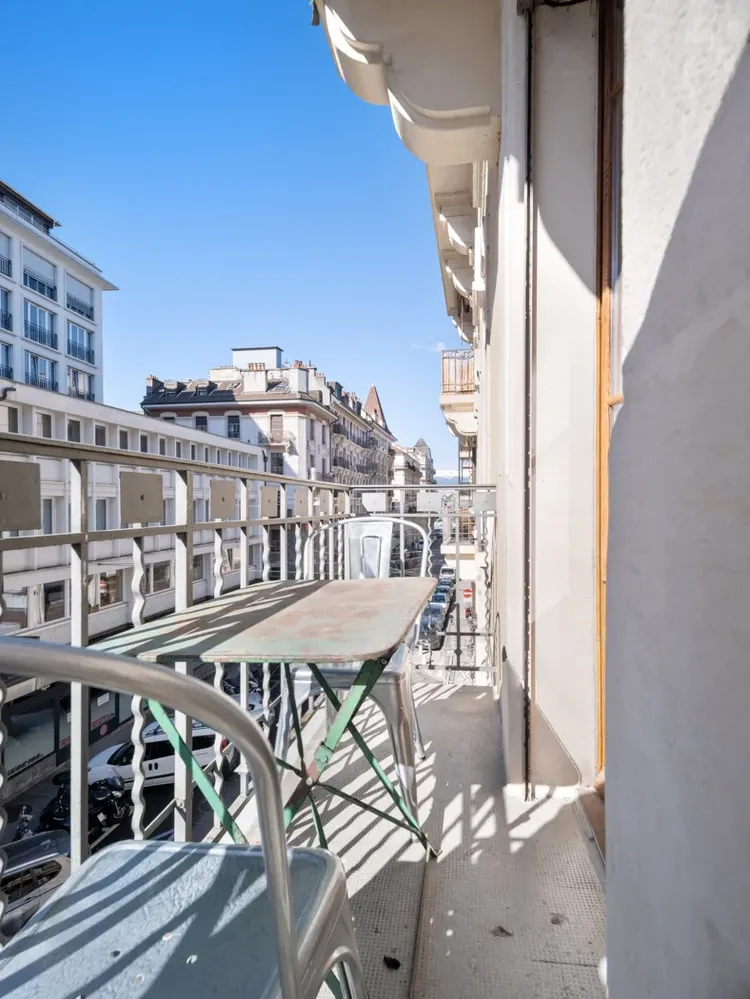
(305, 425)
(37, 581)
(587, 166)
(361, 441)
(281, 408)
(50, 305)
(423, 456)
(406, 472)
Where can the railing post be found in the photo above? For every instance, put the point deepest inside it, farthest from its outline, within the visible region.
(218, 562)
(79, 694)
(218, 739)
(283, 549)
(183, 555)
(458, 578)
(183, 781)
(137, 704)
(244, 533)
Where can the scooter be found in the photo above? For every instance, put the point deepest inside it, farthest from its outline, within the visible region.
(106, 807)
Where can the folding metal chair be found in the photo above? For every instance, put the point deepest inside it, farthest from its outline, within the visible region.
(174, 919)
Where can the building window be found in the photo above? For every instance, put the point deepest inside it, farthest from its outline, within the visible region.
(12, 420)
(101, 515)
(47, 524)
(227, 560)
(80, 298)
(6, 360)
(277, 464)
(54, 601)
(144, 443)
(80, 384)
(192, 452)
(162, 446)
(110, 589)
(6, 267)
(178, 449)
(201, 423)
(6, 318)
(80, 343)
(39, 325)
(74, 431)
(233, 426)
(40, 372)
(277, 428)
(197, 568)
(100, 435)
(168, 419)
(161, 577)
(39, 275)
(218, 456)
(44, 425)
(205, 454)
(123, 440)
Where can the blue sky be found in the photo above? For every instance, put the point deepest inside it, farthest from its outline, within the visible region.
(213, 164)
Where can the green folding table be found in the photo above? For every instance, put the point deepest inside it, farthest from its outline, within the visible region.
(312, 622)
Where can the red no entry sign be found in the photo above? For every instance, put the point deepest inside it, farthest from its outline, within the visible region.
(467, 594)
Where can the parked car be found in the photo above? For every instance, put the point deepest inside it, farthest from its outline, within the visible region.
(36, 867)
(158, 762)
(429, 628)
(441, 602)
(447, 572)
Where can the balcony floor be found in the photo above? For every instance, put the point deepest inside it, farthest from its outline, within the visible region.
(514, 905)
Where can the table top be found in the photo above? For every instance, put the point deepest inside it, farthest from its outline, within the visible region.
(317, 621)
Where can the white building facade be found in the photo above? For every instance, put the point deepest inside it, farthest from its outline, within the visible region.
(50, 305)
(37, 588)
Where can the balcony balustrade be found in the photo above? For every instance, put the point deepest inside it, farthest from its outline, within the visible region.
(40, 334)
(82, 352)
(81, 307)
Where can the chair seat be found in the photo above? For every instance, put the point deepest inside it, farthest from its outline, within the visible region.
(169, 920)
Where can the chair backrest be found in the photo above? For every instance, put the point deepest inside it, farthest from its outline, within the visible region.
(367, 548)
(197, 700)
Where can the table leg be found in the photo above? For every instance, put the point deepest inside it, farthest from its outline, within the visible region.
(346, 710)
(411, 822)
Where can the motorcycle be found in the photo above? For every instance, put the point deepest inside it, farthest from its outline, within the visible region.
(106, 807)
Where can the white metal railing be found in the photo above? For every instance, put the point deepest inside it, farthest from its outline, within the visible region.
(314, 504)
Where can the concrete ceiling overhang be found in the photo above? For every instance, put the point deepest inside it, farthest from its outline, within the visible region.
(436, 64)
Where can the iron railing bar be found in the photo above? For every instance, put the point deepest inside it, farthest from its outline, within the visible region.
(40, 447)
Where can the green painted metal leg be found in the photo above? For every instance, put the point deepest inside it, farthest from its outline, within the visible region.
(371, 758)
(366, 679)
(204, 784)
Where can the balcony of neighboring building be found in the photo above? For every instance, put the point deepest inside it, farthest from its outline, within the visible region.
(458, 389)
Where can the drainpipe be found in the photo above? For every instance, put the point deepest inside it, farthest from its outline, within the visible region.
(530, 428)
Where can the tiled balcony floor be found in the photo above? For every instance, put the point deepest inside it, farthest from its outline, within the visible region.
(514, 905)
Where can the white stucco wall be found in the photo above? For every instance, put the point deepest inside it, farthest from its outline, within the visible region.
(564, 266)
(678, 696)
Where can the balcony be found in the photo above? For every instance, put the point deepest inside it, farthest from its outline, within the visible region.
(39, 284)
(458, 389)
(6, 267)
(6, 321)
(514, 879)
(40, 335)
(6, 371)
(41, 381)
(277, 441)
(76, 393)
(81, 307)
(81, 352)
(233, 431)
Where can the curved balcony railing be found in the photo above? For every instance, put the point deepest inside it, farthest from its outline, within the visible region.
(79, 306)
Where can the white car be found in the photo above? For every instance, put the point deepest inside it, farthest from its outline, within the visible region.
(447, 572)
(158, 761)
